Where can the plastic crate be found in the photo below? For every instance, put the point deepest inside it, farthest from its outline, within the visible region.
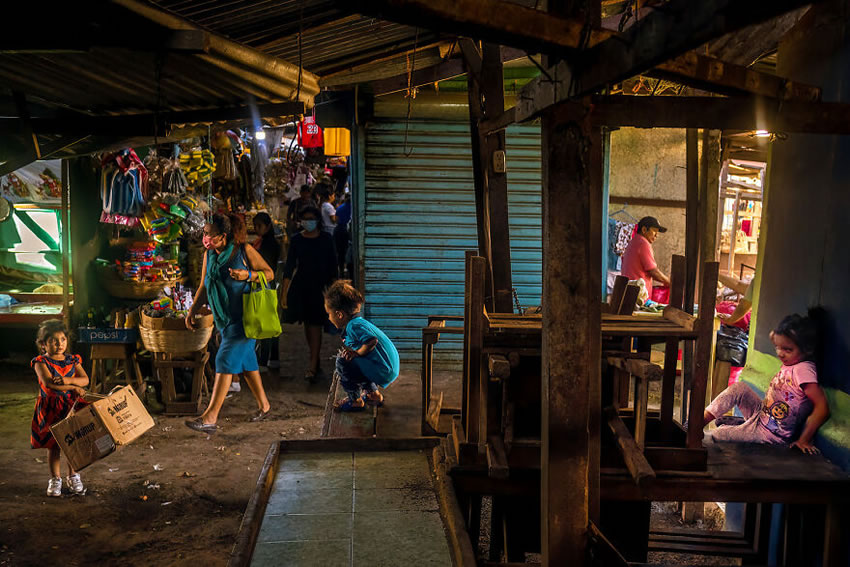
(107, 335)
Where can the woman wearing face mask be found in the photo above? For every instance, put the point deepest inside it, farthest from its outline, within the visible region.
(310, 267)
(227, 270)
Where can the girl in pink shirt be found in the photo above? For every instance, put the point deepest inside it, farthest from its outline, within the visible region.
(794, 399)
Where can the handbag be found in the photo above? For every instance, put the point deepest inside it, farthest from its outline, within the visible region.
(259, 315)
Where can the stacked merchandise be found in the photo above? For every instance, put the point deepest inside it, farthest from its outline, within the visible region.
(148, 262)
(198, 166)
(171, 216)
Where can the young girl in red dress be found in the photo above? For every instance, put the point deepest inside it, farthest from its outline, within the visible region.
(61, 379)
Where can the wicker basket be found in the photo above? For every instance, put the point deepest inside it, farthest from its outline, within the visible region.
(171, 335)
(124, 289)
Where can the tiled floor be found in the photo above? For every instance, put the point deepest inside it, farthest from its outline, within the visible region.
(351, 509)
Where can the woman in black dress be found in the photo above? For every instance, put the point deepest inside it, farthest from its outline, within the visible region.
(311, 266)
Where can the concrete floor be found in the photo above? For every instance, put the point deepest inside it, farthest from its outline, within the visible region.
(351, 509)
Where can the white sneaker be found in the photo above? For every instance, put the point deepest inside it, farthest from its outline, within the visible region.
(235, 387)
(75, 484)
(274, 364)
(54, 487)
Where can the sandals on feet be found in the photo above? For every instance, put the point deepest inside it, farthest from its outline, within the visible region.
(198, 425)
(260, 415)
(377, 403)
(347, 405)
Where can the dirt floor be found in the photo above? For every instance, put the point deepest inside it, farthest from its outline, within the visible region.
(173, 497)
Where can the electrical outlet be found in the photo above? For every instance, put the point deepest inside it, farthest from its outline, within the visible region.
(499, 161)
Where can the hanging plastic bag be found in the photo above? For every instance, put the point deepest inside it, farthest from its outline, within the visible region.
(732, 345)
(260, 317)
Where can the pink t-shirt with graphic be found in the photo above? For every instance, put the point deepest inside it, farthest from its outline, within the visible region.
(638, 261)
(786, 406)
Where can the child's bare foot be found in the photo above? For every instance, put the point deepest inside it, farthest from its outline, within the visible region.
(374, 398)
(347, 404)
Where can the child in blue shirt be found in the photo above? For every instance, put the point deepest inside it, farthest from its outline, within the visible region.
(368, 359)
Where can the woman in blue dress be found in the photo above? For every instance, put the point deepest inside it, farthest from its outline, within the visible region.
(228, 267)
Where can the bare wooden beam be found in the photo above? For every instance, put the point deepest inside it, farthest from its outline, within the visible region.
(711, 74)
(497, 21)
(146, 124)
(471, 56)
(420, 77)
(492, 91)
(572, 151)
(26, 121)
(447, 69)
(70, 38)
(25, 157)
(636, 462)
(720, 113)
(681, 26)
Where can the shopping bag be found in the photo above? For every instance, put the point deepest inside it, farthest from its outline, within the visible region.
(259, 315)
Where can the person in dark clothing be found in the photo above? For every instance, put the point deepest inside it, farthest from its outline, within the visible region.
(269, 248)
(311, 267)
(296, 206)
(342, 235)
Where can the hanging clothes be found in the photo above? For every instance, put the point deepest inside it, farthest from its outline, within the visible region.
(309, 133)
(614, 259)
(625, 231)
(259, 161)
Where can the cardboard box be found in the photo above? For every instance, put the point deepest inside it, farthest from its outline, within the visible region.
(82, 437)
(94, 431)
(124, 415)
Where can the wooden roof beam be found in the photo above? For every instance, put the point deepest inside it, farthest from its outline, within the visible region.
(732, 113)
(496, 21)
(427, 75)
(149, 124)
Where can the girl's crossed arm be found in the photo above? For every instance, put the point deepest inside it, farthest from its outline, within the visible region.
(74, 383)
(819, 415)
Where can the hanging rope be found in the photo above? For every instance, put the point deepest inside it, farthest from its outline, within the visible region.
(411, 94)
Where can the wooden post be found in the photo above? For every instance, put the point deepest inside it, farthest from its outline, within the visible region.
(671, 349)
(571, 151)
(691, 253)
(475, 372)
(496, 183)
(709, 189)
(482, 202)
(65, 225)
(704, 342)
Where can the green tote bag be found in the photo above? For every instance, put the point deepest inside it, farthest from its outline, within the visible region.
(259, 315)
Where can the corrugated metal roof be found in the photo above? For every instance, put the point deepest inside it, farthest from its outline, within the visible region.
(332, 40)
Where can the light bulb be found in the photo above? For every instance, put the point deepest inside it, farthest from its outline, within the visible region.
(260, 134)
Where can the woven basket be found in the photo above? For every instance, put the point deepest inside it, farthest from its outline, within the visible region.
(124, 289)
(171, 335)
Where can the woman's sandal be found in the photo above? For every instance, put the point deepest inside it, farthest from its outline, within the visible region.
(198, 425)
(347, 405)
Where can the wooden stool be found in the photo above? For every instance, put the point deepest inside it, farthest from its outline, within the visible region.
(123, 354)
(164, 364)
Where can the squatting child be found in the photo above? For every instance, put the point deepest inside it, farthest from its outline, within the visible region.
(368, 359)
(61, 379)
(795, 405)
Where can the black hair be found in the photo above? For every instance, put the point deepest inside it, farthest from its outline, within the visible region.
(323, 190)
(231, 226)
(263, 218)
(48, 328)
(342, 296)
(306, 189)
(803, 331)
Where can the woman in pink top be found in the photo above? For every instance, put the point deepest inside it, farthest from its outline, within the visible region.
(638, 259)
(794, 398)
